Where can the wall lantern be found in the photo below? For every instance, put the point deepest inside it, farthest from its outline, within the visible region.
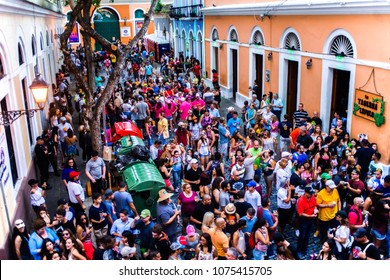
(269, 56)
(309, 63)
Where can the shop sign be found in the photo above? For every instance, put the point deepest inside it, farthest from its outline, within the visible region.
(74, 36)
(369, 106)
(125, 31)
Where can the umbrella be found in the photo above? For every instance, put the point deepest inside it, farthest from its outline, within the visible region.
(128, 128)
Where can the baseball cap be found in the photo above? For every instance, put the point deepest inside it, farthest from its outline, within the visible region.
(342, 169)
(176, 246)
(286, 154)
(309, 190)
(108, 192)
(361, 232)
(251, 183)
(326, 176)
(73, 174)
(145, 213)
(342, 214)
(62, 119)
(330, 184)
(61, 201)
(193, 161)
(39, 138)
(190, 230)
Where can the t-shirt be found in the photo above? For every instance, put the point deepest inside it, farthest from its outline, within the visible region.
(224, 198)
(142, 108)
(234, 124)
(145, 233)
(219, 240)
(193, 175)
(95, 168)
(95, 214)
(300, 117)
(222, 132)
(164, 213)
(188, 204)
(199, 212)
(364, 156)
(242, 207)
(323, 197)
(122, 200)
(369, 248)
(74, 189)
(253, 198)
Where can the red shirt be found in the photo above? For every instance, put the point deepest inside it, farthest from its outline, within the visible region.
(196, 70)
(306, 206)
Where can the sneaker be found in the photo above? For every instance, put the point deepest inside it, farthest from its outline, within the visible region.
(316, 233)
(297, 232)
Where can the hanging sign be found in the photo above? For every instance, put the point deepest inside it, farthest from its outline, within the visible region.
(74, 36)
(369, 106)
(125, 31)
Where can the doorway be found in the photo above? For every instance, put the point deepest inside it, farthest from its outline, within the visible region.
(259, 74)
(216, 61)
(106, 23)
(292, 88)
(340, 93)
(234, 73)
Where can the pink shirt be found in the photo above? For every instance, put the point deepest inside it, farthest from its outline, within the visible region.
(197, 102)
(184, 108)
(167, 111)
(187, 203)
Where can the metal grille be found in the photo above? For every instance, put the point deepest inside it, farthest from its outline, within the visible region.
(258, 38)
(341, 46)
(292, 42)
(215, 35)
(233, 36)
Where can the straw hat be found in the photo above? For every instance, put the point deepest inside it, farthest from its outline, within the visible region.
(230, 209)
(163, 195)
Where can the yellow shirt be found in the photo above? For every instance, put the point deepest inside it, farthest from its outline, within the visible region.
(219, 240)
(323, 197)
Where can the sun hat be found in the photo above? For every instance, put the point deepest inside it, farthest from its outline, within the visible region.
(230, 209)
(163, 195)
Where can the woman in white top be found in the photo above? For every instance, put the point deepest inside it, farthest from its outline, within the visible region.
(284, 205)
(239, 239)
(73, 251)
(36, 195)
(205, 249)
(282, 176)
(204, 150)
(341, 236)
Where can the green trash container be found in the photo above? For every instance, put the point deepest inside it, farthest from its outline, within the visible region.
(143, 181)
(128, 142)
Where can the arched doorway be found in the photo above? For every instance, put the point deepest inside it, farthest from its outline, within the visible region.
(191, 51)
(106, 23)
(199, 54)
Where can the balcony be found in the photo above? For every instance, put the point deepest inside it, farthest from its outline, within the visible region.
(186, 11)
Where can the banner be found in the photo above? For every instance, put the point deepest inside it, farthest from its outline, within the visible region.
(369, 106)
(125, 31)
(74, 36)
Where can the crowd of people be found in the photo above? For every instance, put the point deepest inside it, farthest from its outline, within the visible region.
(235, 183)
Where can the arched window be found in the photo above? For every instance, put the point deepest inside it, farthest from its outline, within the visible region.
(292, 42)
(341, 46)
(139, 13)
(41, 42)
(20, 54)
(33, 45)
(258, 38)
(233, 36)
(47, 39)
(214, 35)
(2, 70)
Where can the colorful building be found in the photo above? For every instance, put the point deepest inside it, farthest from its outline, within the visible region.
(28, 45)
(329, 55)
(187, 25)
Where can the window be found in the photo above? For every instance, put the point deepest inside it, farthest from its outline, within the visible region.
(292, 42)
(20, 54)
(2, 72)
(33, 45)
(47, 39)
(233, 36)
(214, 35)
(139, 14)
(258, 38)
(41, 41)
(341, 46)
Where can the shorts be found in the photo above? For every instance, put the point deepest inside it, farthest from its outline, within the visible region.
(377, 235)
(284, 143)
(223, 148)
(169, 118)
(167, 182)
(206, 155)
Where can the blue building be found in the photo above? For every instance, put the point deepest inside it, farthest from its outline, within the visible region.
(187, 27)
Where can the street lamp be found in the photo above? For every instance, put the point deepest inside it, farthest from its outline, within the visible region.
(39, 89)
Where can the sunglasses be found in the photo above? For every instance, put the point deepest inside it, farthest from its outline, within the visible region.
(20, 224)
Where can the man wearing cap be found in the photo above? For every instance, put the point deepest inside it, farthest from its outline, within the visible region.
(95, 170)
(181, 135)
(287, 156)
(307, 212)
(63, 127)
(362, 248)
(255, 101)
(328, 203)
(42, 159)
(340, 180)
(124, 200)
(184, 107)
(304, 138)
(192, 175)
(166, 214)
(120, 225)
(128, 253)
(198, 105)
(76, 192)
(252, 196)
(144, 224)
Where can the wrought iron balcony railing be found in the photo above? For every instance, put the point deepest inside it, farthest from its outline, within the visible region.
(186, 11)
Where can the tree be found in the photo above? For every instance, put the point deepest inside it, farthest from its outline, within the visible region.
(81, 12)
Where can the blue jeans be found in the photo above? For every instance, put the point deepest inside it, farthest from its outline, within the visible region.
(258, 255)
(176, 179)
(305, 227)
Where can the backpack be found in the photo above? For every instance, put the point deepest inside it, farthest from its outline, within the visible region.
(252, 241)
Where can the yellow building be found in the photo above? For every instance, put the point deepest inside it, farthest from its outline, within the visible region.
(329, 55)
(27, 44)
